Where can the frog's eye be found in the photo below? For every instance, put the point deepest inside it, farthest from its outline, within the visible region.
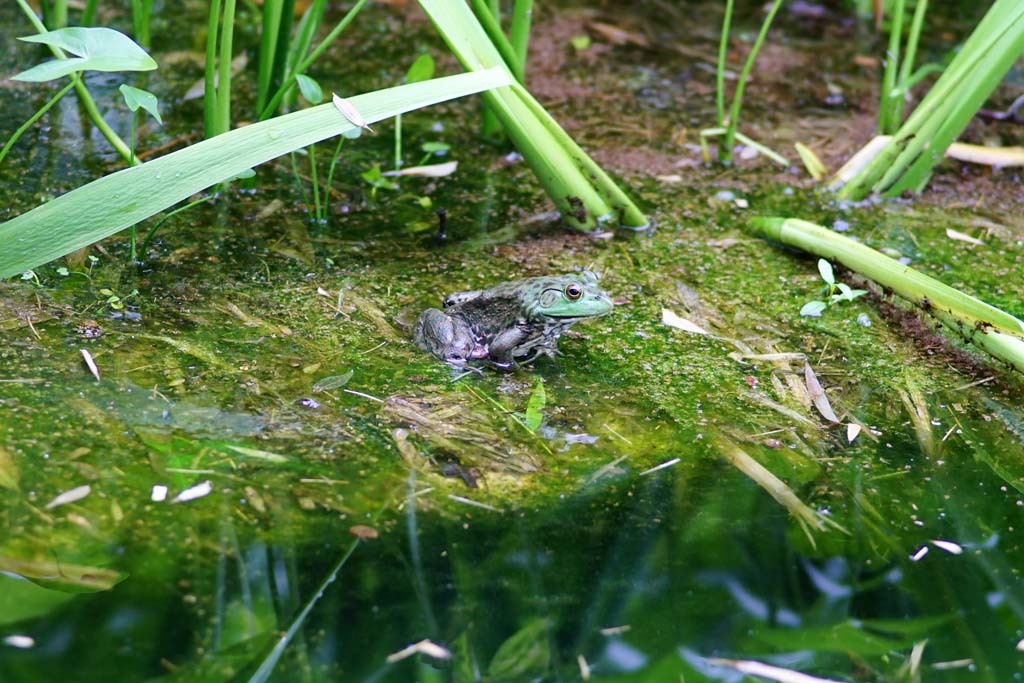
(573, 292)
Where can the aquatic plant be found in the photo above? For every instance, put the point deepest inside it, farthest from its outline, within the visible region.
(122, 199)
(992, 330)
(906, 161)
(584, 194)
(95, 49)
(728, 127)
(835, 292)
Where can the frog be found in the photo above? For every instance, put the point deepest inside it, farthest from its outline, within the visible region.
(510, 324)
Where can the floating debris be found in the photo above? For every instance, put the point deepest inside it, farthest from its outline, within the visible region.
(852, 431)
(424, 647)
(615, 630)
(667, 463)
(363, 532)
(818, 396)
(71, 496)
(584, 667)
(428, 171)
(474, 503)
(197, 491)
(949, 547)
(774, 673)
(91, 364)
(962, 237)
(158, 494)
(22, 642)
(672, 320)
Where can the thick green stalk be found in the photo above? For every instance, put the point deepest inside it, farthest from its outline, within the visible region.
(89, 13)
(519, 33)
(210, 70)
(723, 49)
(492, 27)
(268, 45)
(84, 97)
(725, 151)
(582, 192)
(922, 140)
(992, 329)
(312, 57)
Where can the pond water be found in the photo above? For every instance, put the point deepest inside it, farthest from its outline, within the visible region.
(268, 481)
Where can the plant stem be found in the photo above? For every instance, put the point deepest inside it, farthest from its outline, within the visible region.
(886, 110)
(492, 27)
(725, 151)
(91, 110)
(330, 170)
(519, 32)
(269, 36)
(32, 119)
(227, 33)
(723, 49)
(311, 153)
(152, 231)
(905, 80)
(312, 57)
(209, 71)
(89, 13)
(398, 142)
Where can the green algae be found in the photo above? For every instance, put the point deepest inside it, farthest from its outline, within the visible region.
(245, 308)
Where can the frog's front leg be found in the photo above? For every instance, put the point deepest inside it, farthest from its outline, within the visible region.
(446, 337)
(504, 345)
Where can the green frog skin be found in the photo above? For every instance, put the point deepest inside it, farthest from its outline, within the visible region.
(510, 324)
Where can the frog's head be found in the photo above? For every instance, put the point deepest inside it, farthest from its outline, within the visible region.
(568, 297)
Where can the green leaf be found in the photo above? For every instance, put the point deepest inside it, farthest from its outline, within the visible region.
(524, 656)
(813, 309)
(97, 49)
(334, 381)
(535, 406)
(421, 70)
(825, 268)
(114, 202)
(21, 599)
(310, 89)
(433, 147)
(136, 99)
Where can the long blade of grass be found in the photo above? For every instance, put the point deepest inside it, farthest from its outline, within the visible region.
(119, 200)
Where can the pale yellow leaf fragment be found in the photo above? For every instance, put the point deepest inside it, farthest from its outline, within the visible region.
(349, 111)
(962, 237)
(818, 396)
(91, 364)
(424, 647)
(672, 320)
(772, 673)
(428, 171)
(70, 496)
(852, 431)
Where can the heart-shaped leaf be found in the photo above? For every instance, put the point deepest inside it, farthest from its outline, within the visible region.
(97, 49)
(136, 99)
